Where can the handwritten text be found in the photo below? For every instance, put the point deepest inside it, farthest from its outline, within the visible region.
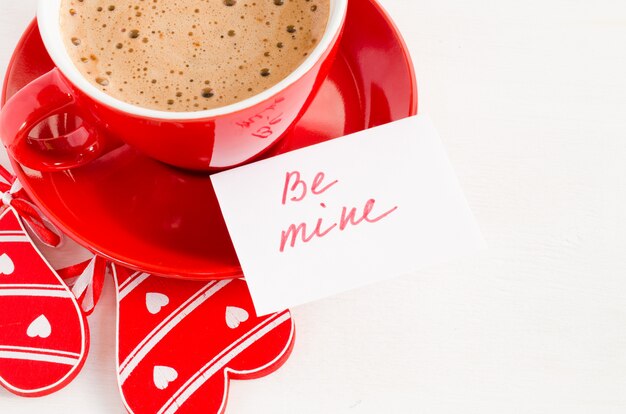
(297, 189)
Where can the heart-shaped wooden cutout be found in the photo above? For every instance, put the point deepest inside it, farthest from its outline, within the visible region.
(43, 333)
(182, 358)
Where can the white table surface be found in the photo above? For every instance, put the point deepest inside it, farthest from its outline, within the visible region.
(530, 100)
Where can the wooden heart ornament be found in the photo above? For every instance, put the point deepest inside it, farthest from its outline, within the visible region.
(43, 333)
(180, 342)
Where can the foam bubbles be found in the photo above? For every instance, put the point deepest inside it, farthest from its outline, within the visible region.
(189, 55)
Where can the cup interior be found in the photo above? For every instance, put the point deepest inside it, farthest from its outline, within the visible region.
(48, 19)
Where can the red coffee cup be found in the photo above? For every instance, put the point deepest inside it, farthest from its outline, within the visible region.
(204, 140)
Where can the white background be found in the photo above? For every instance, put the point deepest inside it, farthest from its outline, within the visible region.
(530, 100)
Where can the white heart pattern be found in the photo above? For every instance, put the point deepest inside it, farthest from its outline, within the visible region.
(39, 327)
(155, 302)
(6, 265)
(162, 376)
(234, 316)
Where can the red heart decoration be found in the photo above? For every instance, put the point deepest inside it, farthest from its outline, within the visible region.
(43, 334)
(180, 342)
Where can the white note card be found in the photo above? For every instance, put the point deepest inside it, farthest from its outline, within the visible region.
(345, 213)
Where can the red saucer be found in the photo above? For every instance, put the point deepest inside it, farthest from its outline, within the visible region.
(152, 217)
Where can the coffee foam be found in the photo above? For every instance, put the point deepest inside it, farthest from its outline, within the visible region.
(190, 55)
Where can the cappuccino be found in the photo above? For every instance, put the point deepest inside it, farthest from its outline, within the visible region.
(190, 55)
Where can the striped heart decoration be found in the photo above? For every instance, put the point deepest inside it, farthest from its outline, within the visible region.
(181, 342)
(43, 333)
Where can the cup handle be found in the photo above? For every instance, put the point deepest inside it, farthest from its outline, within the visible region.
(44, 97)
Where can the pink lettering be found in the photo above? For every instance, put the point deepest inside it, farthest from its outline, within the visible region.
(297, 183)
(263, 132)
(303, 186)
(369, 206)
(244, 124)
(293, 231)
(317, 181)
(277, 119)
(348, 218)
(247, 123)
